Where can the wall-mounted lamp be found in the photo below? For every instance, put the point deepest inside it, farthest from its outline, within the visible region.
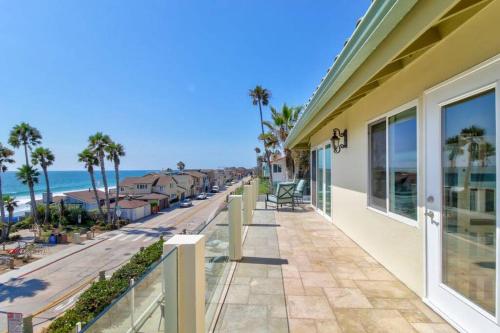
(337, 135)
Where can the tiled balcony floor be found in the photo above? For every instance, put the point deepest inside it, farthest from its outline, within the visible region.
(300, 273)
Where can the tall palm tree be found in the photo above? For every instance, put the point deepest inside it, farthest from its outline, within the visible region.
(45, 158)
(10, 205)
(27, 136)
(90, 160)
(115, 151)
(98, 143)
(5, 158)
(181, 166)
(28, 175)
(260, 96)
(279, 128)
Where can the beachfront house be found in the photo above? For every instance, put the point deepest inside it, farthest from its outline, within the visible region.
(185, 183)
(85, 199)
(166, 185)
(402, 136)
(138, 185)
(200, 181)
(133, 209)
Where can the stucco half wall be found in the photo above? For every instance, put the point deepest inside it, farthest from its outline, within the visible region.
(398, 246)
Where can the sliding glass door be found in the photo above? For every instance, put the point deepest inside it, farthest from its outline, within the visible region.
(321, 179)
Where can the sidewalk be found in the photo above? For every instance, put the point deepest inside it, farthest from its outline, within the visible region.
(47, 260)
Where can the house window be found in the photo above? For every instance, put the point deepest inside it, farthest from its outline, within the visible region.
(393, 164)
(473, 199)
(490, 200)
(276, 168)
(142, 186)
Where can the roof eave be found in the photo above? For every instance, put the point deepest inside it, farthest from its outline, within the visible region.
(380, 19)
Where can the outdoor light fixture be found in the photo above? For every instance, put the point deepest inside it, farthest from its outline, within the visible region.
(337, 146)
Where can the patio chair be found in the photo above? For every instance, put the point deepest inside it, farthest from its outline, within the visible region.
(284, 195)
(298, 194)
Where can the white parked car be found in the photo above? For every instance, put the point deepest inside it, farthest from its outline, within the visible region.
(202, 196)
(215, 188)
(186, 203)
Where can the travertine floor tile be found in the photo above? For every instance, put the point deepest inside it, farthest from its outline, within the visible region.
(347, 298)
(309, 307)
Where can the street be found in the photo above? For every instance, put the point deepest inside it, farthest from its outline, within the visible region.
(65, 277)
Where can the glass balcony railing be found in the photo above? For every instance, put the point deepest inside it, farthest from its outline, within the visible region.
(143, 306)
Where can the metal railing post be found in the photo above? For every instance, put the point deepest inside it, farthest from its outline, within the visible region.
(132, 304)
(234, 221)
(190, 284)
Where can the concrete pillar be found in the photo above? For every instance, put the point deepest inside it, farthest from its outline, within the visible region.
(257, 186)
(254, 194)
(247, 204)
(234, 221)
(189, 316)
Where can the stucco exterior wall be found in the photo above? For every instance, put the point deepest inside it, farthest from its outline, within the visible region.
(398, 246)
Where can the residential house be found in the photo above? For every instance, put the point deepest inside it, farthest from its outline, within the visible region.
(166, 185)
(86, 199)
(278, 166)
(138, 185)
(402, 133)
(133, 209)
(185, 183)
(201, 183)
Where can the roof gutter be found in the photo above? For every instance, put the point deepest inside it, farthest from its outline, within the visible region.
(380, 19)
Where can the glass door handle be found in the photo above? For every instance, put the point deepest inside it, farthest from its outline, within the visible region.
(430, 215)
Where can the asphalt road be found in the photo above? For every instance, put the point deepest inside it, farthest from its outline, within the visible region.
(42, 287)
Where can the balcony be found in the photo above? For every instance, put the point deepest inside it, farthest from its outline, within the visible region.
(297, 273)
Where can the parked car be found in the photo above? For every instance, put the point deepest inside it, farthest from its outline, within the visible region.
(186, 203)
(215, 189)
(202, 196)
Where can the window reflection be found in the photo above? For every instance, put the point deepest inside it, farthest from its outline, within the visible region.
(469, 212)
(403, 163)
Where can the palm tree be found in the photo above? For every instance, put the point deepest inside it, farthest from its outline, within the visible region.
(27, 136)
(98, 143)
(260, 96)
(45, 158)
(5, 158)
(471, 140)
(279, 128)
(115, 151)
(90, 160)
(10, 204)
(28, 175)
(181, 166)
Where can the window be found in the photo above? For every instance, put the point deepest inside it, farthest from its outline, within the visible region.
(276, 168)
(393, 164)
(473, 199)
(142, 186)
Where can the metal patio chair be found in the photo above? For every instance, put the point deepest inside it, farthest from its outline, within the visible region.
(284, 195)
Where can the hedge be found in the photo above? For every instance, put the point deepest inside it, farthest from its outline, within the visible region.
(101, 293)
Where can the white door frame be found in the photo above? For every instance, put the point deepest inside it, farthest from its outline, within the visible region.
(322, 210)
(463, 313)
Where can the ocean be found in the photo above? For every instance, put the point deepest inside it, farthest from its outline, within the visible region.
(60, 182)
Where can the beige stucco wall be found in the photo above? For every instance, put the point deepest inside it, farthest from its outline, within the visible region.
(398, 246)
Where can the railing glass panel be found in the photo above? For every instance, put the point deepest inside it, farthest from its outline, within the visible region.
(140, 308)
(217, 265)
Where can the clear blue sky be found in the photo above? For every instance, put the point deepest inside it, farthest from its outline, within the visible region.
(168, 79)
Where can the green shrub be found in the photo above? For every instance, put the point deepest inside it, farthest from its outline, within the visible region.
(23, 224)
(102, 293)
